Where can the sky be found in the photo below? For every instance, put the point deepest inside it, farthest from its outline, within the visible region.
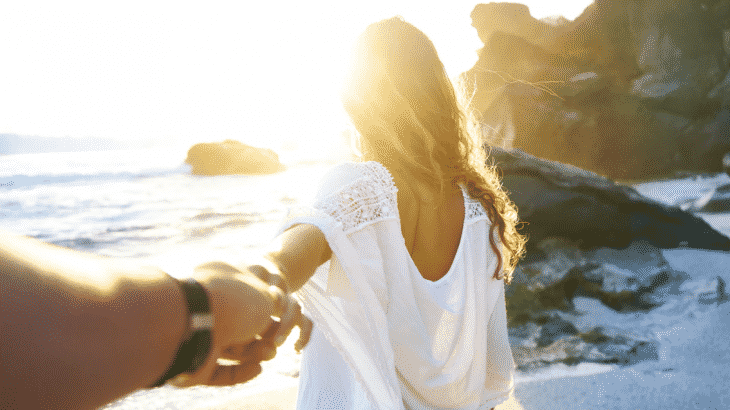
(178, 72)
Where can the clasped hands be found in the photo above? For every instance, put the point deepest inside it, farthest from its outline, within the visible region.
(243, 303)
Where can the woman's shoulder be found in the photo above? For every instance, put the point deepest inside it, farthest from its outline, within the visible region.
(358, 194)
(473, 209)
(349, 176)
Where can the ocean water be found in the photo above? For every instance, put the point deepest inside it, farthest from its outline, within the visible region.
(144, 204)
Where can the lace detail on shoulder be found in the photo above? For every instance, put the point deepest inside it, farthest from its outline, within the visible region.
(368, 199)
(474, 209)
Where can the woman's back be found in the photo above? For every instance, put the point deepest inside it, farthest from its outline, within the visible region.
(432, 225)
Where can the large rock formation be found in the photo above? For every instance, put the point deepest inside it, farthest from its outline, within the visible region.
(232, 157)
(560, 200)
(591, 238)
(630, 89)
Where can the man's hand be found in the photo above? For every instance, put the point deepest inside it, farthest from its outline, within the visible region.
(245, 333)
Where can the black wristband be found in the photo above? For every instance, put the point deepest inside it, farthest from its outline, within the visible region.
(194, 349)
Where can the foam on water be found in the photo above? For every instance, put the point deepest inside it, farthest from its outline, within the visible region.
(679, 191)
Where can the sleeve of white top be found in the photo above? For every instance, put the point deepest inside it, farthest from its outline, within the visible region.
(500, 363)
(338, 177)
(344, 306)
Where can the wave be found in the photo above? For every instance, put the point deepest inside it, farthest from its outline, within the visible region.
(26, 181)
(23, 170)
(140, 237)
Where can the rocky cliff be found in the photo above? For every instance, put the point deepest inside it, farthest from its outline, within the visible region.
(630, 89)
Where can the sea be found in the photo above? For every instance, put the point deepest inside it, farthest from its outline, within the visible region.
(144, 204)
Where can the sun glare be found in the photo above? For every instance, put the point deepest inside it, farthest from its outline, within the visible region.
(266, 75)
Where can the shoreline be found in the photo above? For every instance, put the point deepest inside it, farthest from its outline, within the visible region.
(627, 388)
(636, 387)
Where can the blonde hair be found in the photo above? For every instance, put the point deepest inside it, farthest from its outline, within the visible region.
(407, 113)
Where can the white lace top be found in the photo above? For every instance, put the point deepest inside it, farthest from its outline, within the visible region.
(385, 337)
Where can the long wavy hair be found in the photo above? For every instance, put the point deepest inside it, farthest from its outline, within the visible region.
(406, 111)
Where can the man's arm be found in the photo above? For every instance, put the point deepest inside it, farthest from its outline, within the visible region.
(78, 330)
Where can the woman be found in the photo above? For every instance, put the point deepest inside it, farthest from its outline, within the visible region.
(409, 312)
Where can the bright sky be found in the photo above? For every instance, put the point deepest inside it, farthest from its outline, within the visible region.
(266, 74)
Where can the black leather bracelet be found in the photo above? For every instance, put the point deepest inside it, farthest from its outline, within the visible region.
(195, 347)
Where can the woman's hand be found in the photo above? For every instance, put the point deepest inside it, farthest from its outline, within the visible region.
(244, 333)
(276, 280)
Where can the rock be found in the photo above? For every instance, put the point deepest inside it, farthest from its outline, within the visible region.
(717, 296)
(554, 329)
(679, 53)
(630, 90)
(560, 200)
(599, 345)
(557, 271)
(582, 85)
(592, 239)
(542, 317)
(722, 296)
(726, 163)
(719, 201)
(232, 157)
(511, 18)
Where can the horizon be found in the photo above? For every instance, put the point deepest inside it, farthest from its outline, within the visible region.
(165, 74)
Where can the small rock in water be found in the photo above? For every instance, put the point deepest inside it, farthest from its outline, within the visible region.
(719, 201)
(642, 351)
(722, 297)
(554, 329)
(718, 296)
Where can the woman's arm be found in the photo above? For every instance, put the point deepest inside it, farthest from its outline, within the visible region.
(78, 330)
(297, 253)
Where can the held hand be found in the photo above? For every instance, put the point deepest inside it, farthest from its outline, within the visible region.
(244, 332)
(288, 320)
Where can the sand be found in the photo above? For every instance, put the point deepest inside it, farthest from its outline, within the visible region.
(281, 399)
(630, 388)
(625, 389)
(692, 373)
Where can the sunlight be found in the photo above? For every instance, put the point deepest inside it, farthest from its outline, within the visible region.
(267, 75)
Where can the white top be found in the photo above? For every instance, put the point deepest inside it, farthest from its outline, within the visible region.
(385, 337)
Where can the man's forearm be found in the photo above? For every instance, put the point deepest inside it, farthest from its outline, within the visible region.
(78, 330)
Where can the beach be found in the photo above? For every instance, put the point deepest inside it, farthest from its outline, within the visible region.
(145, 205)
